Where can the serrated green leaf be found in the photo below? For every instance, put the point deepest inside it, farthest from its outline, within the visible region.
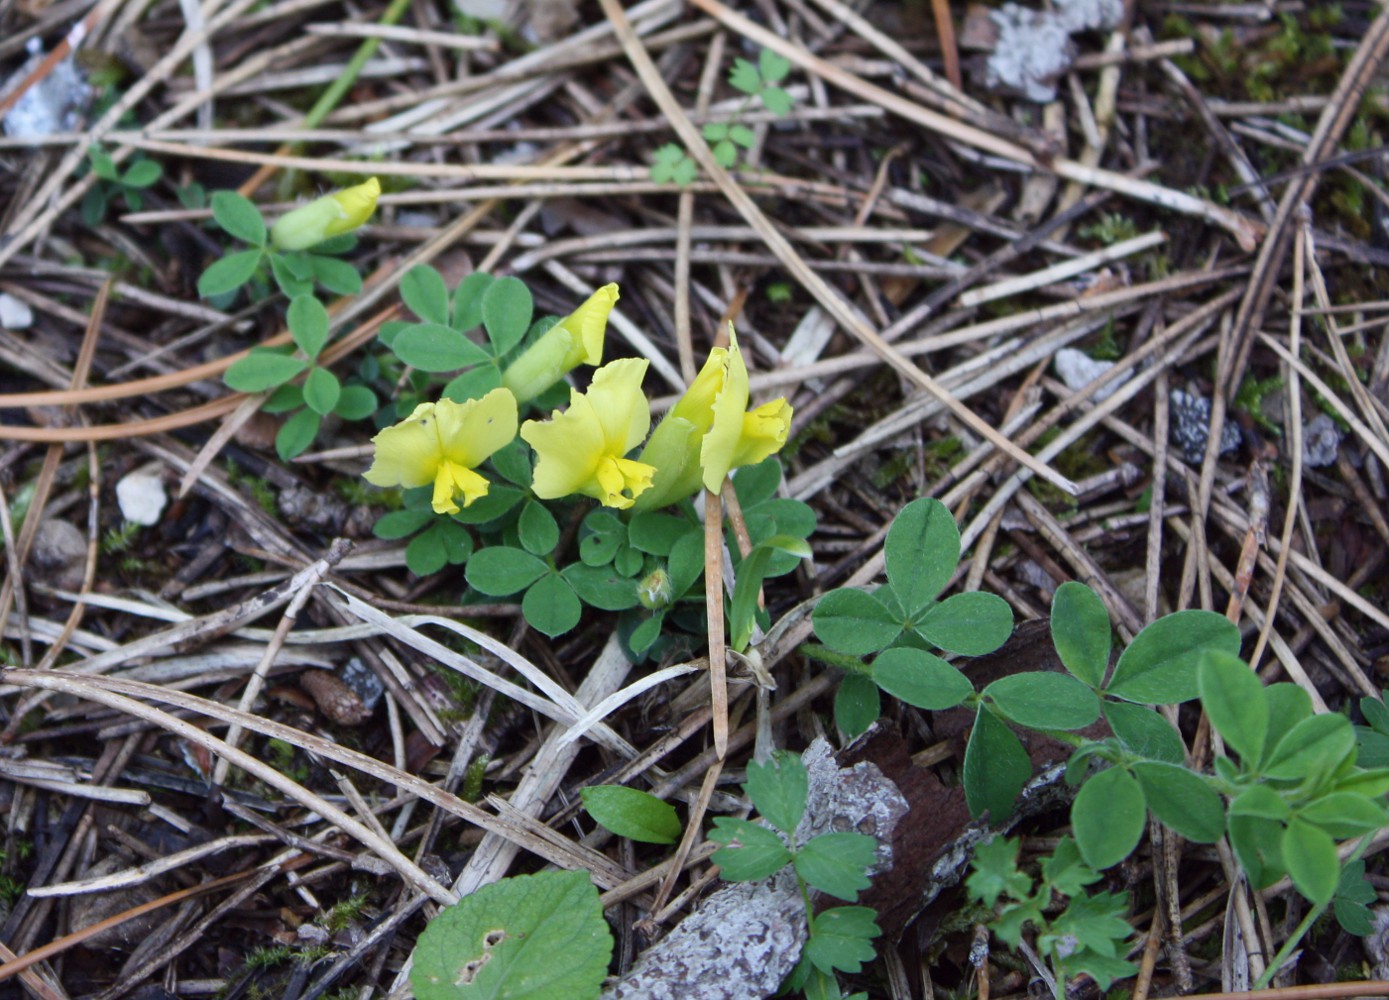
(1065, 871)
(1181, 800)
(779, 789)
(308, 324)
(856, 704)
(501, 570)
(632, 813)
(837, 863)
(1310, 854)
(744, 77)
(432, 347)
(995, 872)
(1044, 700)
(850, 621)
(842, 939)
(1159, 666)
(296, 434)
(971, 624)
(1108, 817)
(506, 313)
(921, 679)
(261, 370)
(750, 852)
(772, 66)
(1080, 631)
(425, 294)
(995, 769)
(921, 552)
(493, 944)
(229, 273)
(776, 100)
(239, 217)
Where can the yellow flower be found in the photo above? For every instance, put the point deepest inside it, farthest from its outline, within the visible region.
(441, 443)
(332, 215)
(710, 431)
(577, 339)
(582, 449)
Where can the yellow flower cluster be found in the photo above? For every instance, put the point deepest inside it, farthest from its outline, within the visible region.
(583, 449)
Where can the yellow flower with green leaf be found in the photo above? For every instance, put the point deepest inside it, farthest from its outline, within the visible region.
(332, 215)
(710, 431)
(577, 339)
(442, 443)
(583, 449)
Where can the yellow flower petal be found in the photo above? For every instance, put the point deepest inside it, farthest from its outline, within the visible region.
(720, 444)
(407, 454)
(454, 480)
(471, 431)
(588, 324)
(617, 476)
(621, 406)
(765, 429)
(582, 449)
(440, 443)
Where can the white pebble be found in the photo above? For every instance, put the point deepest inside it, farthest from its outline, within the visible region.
(15, 314)
(141, 497)
(1077, 369)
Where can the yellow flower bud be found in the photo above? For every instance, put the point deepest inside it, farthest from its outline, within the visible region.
(331, 215)
(577, 339)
